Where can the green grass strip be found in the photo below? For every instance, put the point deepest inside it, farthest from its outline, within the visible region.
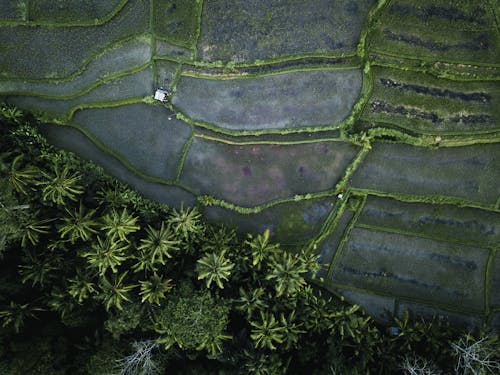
(331, 221)
(488, 276)
(198, 28)
(95, 22)
(227, 76)
(265, 142)
(368, 26)
(345, 238)
(421, 235)
(434, 199)
(216, 129)
(182, 159)
(208, 200)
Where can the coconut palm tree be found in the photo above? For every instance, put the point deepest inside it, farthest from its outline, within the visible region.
(60, 185)
(250, 301)
(214, 267)
(159, 243)
(80, 287)
(261, 248)
(106, 254)
(113, 293)
(287, 272)
(78, 224)
(187, 223)
(16, 314)
(31, 229)
(154, 289)
(268, 332)
(119, 225)
(37, 269)
(22, 179)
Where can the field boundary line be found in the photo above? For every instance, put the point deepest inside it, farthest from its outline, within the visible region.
(184, 152)
(345, 237)
(431, 198)
(208, 200)
(407, 233)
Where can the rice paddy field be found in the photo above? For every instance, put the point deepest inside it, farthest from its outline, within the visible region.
(365, 131)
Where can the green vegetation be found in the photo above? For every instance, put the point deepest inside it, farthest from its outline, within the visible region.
(86, 268)
(361, 135)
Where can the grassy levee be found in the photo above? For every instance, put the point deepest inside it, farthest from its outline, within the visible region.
(345, 237)
(433, 199)
(183, 156)
(208, 200)
(94, 22)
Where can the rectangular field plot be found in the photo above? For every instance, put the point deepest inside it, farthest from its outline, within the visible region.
(421, 102)
(141, 134)
(71, 11)
(413, 267)
(253, 29)
(124, 56)
(73, 140)
(379, 307)
(13, 11)
(463, 31)
(446, 222)
(56, 52)
(165, 49)
(289, 100)
(470, 172)
(294, 223)
(329, 246)
(250, 175)
(177, 20)
(136, 85)
(416, 310)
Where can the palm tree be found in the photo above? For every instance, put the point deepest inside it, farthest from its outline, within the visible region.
(291, 330)
(114, 293)
(78, 224)
(119, 225)
(187, 223)
(11, 114)
(159, 243)
(37, 270)
(267, 332)
(80, 287)
(286, 272)
(214, 268)
(251, 301)
(60, 186)
(154, 289)
(31, 229)
(16, 314)
(19, 178)
(106, 254)
(261, 248)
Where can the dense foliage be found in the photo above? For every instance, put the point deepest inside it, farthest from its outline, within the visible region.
(95, 279)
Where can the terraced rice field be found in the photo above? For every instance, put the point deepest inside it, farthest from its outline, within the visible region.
(365, 131)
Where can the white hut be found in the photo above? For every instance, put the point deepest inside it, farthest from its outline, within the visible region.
(161, 95)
